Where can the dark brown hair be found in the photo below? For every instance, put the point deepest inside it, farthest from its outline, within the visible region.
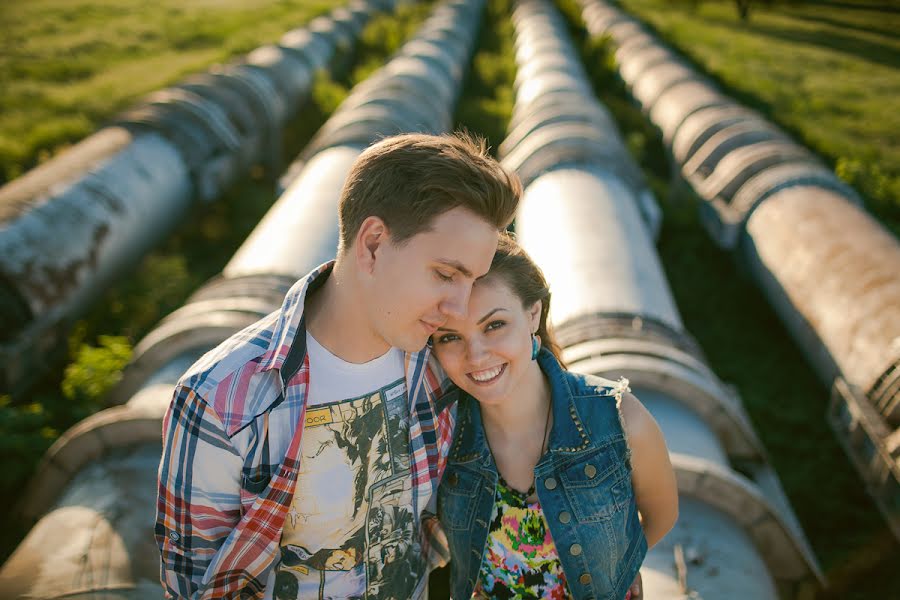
(408, 180)
(514, 267)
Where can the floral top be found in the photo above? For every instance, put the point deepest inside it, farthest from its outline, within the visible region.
(520, 560)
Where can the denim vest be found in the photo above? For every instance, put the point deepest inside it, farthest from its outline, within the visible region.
(583, 483)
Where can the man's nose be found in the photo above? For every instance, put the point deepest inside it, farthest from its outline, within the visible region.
(455, 305)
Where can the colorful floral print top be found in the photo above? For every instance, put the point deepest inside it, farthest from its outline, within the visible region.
(520, 560)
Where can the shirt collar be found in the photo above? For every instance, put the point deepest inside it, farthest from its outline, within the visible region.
(290, 316)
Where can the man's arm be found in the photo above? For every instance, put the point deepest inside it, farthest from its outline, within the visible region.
(199, 493)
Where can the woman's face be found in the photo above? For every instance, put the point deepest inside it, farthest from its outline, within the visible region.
(488, 353)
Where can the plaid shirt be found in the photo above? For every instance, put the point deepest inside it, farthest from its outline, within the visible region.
(231, 447)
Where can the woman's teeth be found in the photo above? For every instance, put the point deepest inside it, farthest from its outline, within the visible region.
(487, 374)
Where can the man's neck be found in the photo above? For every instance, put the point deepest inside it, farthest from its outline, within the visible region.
(335, 317)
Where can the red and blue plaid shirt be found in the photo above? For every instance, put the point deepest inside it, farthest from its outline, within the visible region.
(231, 442)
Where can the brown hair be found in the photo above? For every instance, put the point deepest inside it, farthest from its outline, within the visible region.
(526, 280)
(408, 180)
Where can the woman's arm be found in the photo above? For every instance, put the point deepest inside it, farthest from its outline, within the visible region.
(652, 477)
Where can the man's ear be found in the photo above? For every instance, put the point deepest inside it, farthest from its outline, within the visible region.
(534, 314)
(373, 232)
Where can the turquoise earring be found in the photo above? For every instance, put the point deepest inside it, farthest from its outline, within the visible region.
(534, 347)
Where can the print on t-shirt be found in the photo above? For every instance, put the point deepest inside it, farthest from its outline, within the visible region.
(351, 531)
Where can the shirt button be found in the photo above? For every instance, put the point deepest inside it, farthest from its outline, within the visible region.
(174, 536)
(590, 471)
(584, 579)
(565, 517)
(452, 479)
(575, 549)
(550, 483)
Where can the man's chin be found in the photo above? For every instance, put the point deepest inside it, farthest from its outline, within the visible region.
(412, 343)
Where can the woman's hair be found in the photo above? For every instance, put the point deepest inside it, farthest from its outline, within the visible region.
(526, 280)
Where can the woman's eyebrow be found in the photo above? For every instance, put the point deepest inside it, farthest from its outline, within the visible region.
(487, 316)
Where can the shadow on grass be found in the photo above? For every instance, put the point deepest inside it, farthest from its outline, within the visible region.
(813, 18)
(847, 44)
(881, 7)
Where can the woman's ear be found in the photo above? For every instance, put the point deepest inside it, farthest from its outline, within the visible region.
(534, 313)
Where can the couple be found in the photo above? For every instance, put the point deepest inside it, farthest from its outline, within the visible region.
(302, 457)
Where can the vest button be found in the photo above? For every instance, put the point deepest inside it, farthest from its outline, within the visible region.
(565, 516)
(584, 579)
(550, 483)
(575, 549)
(452, 479)
(590, 471)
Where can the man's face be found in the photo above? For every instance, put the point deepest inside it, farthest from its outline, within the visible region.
(414, 288)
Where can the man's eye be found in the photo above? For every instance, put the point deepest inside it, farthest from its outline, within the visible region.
(444, 276)
(494, 325)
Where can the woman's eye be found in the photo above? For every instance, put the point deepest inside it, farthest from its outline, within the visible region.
(447, 337)
(494, 325)
(444, 276)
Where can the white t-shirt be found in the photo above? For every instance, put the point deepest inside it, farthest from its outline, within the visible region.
(351, 531)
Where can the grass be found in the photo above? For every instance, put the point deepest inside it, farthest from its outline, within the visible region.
(487, 98)
(65, 67)
(828, 72)
(101, 342)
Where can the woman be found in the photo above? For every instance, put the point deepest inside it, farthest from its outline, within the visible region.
(548, 468)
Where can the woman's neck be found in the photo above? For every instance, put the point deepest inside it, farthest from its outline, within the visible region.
(524, 412)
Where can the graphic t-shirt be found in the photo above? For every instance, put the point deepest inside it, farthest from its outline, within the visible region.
(351, 531)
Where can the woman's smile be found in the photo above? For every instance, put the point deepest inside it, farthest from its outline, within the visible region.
(487, 376)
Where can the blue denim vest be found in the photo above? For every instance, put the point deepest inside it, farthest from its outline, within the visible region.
(583, 483)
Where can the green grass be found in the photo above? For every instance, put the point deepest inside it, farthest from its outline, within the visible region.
(66, 66)
(828, 72)
(487, 98)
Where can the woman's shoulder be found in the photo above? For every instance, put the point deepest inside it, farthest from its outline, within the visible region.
(585, 385)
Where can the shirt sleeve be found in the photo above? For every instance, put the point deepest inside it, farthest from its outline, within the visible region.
(199, 501)
(435, 542)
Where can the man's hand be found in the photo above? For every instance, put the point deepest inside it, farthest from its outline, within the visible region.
(636, 591)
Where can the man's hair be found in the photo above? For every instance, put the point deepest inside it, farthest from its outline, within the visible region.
(410, 179)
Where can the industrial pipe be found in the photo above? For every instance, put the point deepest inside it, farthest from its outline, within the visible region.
(614, 316)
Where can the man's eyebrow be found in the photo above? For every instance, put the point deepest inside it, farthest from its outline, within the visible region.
(487, 316)
(456, 265)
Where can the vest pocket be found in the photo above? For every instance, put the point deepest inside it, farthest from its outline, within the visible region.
(457, 497)
(597, 486)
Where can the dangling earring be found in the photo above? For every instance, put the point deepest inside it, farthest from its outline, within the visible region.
(535, 346)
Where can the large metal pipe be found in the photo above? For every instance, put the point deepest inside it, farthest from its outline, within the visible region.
(89, 546)
(72, 226)
(829, 269)
(614, 315)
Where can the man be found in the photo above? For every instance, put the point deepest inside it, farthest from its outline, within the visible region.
(299, 455)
